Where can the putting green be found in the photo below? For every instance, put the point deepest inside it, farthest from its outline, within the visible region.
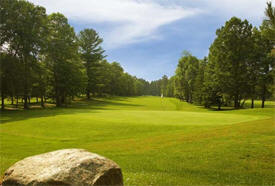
(155, 141)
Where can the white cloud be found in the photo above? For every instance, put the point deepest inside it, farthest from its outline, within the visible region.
(135, 20)
(252, 10)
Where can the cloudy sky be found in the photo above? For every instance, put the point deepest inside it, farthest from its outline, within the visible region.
(147, 37)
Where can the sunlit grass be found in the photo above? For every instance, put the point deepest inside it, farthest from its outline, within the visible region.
(155, 141)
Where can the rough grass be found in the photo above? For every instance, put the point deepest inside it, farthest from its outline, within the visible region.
(155, 141)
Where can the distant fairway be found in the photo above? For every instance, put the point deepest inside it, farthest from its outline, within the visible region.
(155, 141)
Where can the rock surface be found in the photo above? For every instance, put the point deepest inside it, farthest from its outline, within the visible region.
(64, 167)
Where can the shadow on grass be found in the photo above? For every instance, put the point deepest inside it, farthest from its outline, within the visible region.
(79, 106)
(222, 109)
(231, 108)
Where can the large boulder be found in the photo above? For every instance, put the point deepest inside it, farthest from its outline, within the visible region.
(64, 167)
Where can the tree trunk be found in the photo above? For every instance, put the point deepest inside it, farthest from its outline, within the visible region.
(57, 94)
(62, 99)
(88, 94)
(12, 100)
(16, 102)
(252, 103)
(36, 99)
(26, 106)
(2, 92)
(236, 102)
(42, 102)
(29, 99)
(58, 90)
(219, 106)
(66, 101)
(263, 100)
(190, 98)
(3, 102)
(253, 95)
(57, 100)
(263, 95)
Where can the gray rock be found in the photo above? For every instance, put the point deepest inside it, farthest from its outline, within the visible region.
(64, 167)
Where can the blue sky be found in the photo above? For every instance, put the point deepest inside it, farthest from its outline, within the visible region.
(147, 37)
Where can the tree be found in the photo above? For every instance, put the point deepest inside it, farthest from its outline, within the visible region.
(266, 43)
(91, 54)
(266, 80)
(128, 85)
(199, 81)
(186, 73)
(171, 87)
(155, 88)
(40, 81)
(116, 79)
(266, 66)
(23, 32)
(259, 66)
(164, 84)
(211, 89)
(7, 70)
(269, 22)
(67, 72)
(229, 55)
(102, 80)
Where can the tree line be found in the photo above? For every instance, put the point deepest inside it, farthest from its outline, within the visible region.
(240, 66)
(41, 56)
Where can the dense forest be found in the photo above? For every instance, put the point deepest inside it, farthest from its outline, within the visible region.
(41, 56)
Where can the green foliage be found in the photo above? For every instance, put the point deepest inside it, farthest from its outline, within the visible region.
(155, 88)
(164, 85)
(11, 83)
(269, 22)
(91, 53)
(42, 57)
(239, 67)
(171, 87)
(186, 74)
(22, 35)
(199, 80)
(229, 55)
(67, 72)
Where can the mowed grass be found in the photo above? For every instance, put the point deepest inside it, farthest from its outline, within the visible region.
(155, 141)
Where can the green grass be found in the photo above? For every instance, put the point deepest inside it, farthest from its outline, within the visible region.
(155, 141)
